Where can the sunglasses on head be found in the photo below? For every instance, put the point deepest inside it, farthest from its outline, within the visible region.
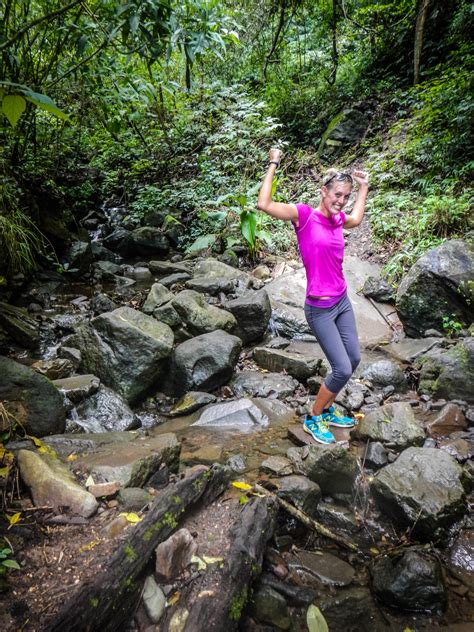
(339, 177)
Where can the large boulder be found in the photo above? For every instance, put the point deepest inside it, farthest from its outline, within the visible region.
(252, 312)
(125, 349)
(297, 365)
(157, 296)
(439, 284)
(79, 257)
(33, 401)
(242, 414)
(347, 128)
(198, 316)
(385, 373)
(203, 363)
(449, 374)
(393, 425)
(257, 384)
(423, 489)
(105, 411)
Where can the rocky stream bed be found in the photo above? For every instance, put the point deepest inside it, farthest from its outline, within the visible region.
(152, 384)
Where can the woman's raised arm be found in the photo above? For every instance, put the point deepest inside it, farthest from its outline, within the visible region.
(279, 210)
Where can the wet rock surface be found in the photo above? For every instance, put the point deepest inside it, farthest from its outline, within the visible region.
(394, 425)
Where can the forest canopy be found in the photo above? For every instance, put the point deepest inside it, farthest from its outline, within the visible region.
(173, 105)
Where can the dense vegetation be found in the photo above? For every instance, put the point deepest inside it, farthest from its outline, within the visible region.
(159, 104)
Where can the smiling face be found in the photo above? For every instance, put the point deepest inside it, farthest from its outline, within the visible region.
(334, 197)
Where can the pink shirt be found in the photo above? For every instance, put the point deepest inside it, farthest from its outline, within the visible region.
(321, 245)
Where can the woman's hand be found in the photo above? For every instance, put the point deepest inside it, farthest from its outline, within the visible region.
(361, 177)
(274, 154)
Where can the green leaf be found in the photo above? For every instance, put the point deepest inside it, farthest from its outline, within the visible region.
(46, 103)
(11, 564)
(248, 225)
(204, 241)
(13, 106)
(315, 620)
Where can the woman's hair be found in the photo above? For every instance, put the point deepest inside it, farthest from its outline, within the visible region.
(333, 175)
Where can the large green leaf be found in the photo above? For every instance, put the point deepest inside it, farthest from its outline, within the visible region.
(13, 106)
(46, 103)
(248, 226)
(204, 241)
(315, 620)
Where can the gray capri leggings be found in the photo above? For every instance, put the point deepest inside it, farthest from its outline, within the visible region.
(335, 330)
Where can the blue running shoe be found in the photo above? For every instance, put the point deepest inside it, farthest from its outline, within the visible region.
(318, 429)
(335, 418)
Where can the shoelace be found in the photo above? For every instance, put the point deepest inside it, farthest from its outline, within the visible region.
(320, 424)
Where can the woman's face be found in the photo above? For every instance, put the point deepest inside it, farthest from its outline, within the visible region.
(335, 197)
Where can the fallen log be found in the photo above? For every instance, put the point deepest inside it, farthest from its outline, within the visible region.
(215, 600)
(107, 603)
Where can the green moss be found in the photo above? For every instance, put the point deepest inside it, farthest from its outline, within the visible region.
(94, 602)
(237, 605)
(130, 553)
(170, 520)
(176, 500)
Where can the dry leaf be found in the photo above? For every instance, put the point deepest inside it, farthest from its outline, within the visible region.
(241, 485)
(13, 518)
(175, 597)
(89, 546)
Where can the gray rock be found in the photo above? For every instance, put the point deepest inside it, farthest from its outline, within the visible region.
(101, 253)
(268, 606)
(124, 348)
(379, 290)
(101, 303)
(213, 285)
(131, 463)
(328, 568)
(408, 349)
(78, 387)
(71, 354)
(332, 467)
(79, 257)
(375, 456)
(165, 268)
(106, 270)
(347, 128)
(189, 403)
(301, 492)
(198, 316)
(52, 485)
(157, 296)
(22, 328)
(31, 398)
(256, 384)
(203, 363)
(173, 279)
(154, 600)
(393, 425)
(277, 465)
(239, 413)
(174, 555)
(422, 489)
(237, 463)
(385, 373)
(105, 411)
(438, 284)
(212, 268)
(411, 581)
(351, 396)
(351, 610)
(252, 312)
(296, 365)
(148, 241)
(134, 498)
(118, 241)
(449, 374)
(168, 315)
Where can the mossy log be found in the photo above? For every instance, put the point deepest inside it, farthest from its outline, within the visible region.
(214, 601)
(107, 603)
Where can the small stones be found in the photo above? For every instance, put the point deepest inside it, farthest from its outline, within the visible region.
(174, 555)
(100, 490)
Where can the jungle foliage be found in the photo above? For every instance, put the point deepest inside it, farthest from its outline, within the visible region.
(167, 105)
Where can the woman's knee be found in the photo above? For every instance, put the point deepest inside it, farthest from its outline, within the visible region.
(355, 361)
(341, 374)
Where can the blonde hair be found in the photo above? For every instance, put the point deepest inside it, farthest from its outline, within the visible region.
(333, 174)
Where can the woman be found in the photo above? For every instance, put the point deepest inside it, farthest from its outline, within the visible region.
(327, 308)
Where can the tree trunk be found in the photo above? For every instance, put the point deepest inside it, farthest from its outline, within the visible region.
(421, 16)
(107, 603)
